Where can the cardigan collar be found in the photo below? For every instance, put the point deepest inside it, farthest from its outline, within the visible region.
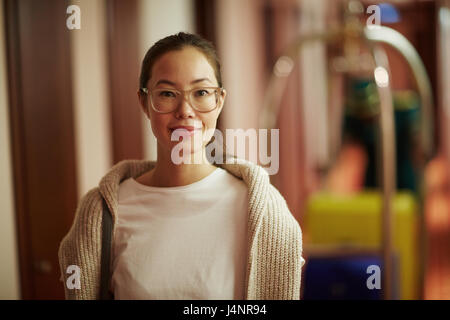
(254, 176)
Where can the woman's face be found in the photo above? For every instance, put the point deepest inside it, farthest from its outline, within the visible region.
(183, 69)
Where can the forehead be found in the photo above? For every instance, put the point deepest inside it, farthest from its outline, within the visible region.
(182, 66)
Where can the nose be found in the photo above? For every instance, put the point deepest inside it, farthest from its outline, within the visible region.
(184, 109)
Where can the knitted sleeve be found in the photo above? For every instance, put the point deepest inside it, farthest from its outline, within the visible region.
(280, 246)
(80, 250)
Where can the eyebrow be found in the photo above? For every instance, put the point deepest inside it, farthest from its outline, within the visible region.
(164, 81)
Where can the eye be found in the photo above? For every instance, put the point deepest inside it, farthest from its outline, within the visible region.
(166, 94)
(202, 92)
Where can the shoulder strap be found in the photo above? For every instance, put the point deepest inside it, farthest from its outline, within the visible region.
(105, 274)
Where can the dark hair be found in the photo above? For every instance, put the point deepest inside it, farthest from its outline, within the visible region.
(177, 42)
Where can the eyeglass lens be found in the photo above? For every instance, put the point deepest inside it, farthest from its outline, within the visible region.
(201, 99)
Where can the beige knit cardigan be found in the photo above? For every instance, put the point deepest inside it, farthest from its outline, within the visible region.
(274, 236)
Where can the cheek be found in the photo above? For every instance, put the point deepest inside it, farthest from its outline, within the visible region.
(210, 123)
(210, 120)
(159, 126)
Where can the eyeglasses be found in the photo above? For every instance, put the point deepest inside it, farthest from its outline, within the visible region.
(204, 99)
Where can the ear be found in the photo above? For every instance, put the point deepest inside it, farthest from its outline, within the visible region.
(142, 97)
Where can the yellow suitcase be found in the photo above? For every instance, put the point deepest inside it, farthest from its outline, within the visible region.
(355, 220)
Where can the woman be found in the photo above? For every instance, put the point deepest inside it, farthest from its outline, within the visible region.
(183, 230)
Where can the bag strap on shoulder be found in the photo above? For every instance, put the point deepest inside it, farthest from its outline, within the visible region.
(105, 273)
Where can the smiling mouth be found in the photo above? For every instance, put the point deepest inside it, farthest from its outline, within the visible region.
(184, 131)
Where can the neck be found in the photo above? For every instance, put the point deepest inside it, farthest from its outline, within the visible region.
(168, 174)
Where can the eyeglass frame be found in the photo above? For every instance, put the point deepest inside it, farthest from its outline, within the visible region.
(183, 92)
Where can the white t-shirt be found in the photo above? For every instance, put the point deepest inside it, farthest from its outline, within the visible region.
(187, 242)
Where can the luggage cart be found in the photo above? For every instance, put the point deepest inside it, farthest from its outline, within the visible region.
(353, 34)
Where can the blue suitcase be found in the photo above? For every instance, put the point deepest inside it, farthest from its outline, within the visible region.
(343, 278)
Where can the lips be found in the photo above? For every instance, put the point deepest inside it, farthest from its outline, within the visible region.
(189, 129)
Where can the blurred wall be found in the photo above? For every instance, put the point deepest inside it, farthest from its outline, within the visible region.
(9, 267)
(444, 73)
(90, 85)
(240, 34)
(159, 19)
